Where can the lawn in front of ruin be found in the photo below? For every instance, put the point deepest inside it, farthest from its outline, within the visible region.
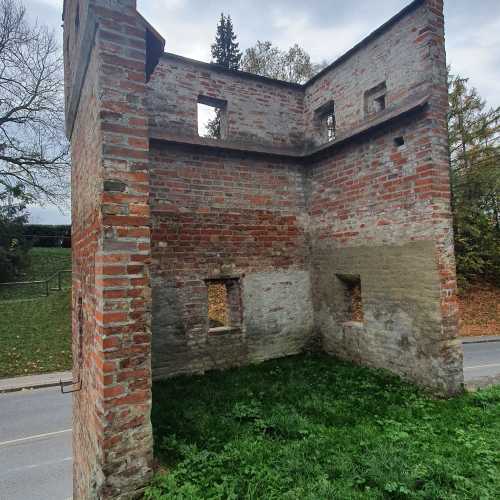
(313, 427)
(35, 330)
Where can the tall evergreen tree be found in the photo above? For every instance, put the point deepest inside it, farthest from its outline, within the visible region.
(474, 135)
(225, 52)
(225, 49)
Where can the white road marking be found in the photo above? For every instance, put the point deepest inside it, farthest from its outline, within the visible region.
(34, 466)
(37, 436)
(477, 367)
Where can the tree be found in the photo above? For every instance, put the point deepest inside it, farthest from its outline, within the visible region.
(33, 150)
(474, 137)
(293, 65)
(13, 245)
(225, 51)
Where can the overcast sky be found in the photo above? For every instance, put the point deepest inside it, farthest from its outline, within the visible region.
(324, 28)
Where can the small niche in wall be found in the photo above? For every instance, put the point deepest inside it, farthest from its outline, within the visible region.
(212, 121)
(352, 299)
(399, 141)
(376, 99)
(224, 305)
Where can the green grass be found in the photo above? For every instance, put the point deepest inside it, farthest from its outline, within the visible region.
(312, 427)
(35, 331)
(35, 335)
(43, 263)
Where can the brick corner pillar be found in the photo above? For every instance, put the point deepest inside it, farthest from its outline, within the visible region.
(106, 59)
(448, 349)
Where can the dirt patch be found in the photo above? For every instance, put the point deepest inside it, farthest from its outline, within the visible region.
(479, 308)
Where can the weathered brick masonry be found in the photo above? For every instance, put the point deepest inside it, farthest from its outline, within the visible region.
(286, 209)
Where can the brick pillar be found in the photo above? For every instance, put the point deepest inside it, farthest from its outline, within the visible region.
(438, 191)
(105, 73)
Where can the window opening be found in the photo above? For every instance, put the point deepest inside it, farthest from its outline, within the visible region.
(376, 99)
(224, 304)
(211, 117)
(330, 126)
(218, 313)
(326, 122)
(353, 310)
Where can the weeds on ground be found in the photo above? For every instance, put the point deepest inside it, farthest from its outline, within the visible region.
(312, 427)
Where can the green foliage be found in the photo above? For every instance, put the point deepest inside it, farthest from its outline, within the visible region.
(474, 135)
(225, 51)
(48, 235)
(312, 427)
(214, 126)
(13, 246)
(293, 65)
(42, 263)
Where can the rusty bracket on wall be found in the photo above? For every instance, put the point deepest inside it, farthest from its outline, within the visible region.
(78, 387)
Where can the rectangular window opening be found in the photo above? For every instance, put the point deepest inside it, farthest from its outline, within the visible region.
(224, 305)
(218, 313)
(379, 103)
(376, 99)
(330, 126)
(211, 117)
(353, 302)
(326, 122)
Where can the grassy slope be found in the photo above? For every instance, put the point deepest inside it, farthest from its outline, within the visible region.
(35, 333)
(316, 428)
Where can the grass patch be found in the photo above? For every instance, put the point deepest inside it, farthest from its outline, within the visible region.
(35, 335)
(35, 331)
(312, 427)
(43, 263)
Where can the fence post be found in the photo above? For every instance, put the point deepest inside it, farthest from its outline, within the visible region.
(47, 288)
(59, 286)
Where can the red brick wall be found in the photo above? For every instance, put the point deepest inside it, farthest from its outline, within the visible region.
(152, 222)
(86, 217)
(392, 57)
(111, 248)
(258, 111)
(372, 194)
(219, 214)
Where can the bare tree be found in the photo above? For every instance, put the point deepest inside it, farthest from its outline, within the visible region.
(34, 156)
(293, 65)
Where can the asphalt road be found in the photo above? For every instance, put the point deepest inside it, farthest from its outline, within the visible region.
(35, 433)
(35, 445)
(481, 360)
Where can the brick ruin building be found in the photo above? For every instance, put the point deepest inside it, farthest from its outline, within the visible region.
(314, 198)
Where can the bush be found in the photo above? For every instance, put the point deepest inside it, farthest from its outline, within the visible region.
(48, 236)
(13, 246)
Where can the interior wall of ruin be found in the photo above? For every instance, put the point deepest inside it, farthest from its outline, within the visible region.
(220, 215)
(288, 223)
(258, 111)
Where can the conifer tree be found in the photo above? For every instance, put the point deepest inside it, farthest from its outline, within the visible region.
(474, 136)
(226, 53)
(225, 49)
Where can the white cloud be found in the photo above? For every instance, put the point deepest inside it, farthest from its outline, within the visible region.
(475, 53)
